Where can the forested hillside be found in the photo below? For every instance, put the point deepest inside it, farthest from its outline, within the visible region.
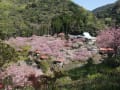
(27, 17)
(42, 48)
(109, 13)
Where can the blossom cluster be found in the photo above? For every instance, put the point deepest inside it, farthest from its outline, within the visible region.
(109, 38)
(82, 54)
(20, 72)
(52, 46)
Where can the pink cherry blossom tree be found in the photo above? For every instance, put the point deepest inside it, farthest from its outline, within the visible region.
(20, 73)
(51, 46)
(82, 54)
(109, 38)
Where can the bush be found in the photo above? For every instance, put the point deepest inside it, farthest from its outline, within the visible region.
(112, 61)
(63, 80)
(44, 65)
(7, 54)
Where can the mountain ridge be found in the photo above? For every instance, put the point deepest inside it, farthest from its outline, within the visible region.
(109, 13)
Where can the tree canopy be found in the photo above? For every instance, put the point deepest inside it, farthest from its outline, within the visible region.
(27, 17)
(109, 13)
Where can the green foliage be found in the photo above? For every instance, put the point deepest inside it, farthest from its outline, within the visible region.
(44, 65)
(76, 23)
(27, 17)
(7, 54)
(113, 61)
(63, 80)
(23, 54)
(109, 14)
(78, 73)
(93, 77)
(25, 50)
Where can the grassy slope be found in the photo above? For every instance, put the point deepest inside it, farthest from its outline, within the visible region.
(93, 77)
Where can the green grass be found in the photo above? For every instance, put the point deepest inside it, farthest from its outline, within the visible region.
(93, 77)
(87, 70)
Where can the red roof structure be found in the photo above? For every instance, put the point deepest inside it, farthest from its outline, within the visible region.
(60, 60)
(37, 51)
(43, 57)
(106, 50)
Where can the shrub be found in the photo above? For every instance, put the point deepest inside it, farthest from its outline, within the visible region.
(112, 61)
(7, 54)
(44, 65)
(63, 80)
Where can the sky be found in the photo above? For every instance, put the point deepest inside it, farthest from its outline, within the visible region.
(92, 4)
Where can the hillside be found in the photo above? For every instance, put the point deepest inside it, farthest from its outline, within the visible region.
(109, 13)
(27, 17)
(41, 48)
